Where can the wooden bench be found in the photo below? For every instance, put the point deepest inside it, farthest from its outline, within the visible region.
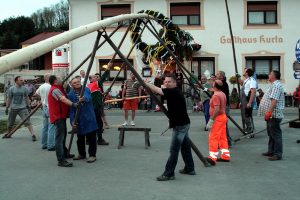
(125, 128)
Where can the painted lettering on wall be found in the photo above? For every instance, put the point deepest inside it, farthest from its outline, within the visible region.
(262, 39)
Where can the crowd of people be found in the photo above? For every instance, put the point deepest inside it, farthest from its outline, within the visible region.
(88, 121)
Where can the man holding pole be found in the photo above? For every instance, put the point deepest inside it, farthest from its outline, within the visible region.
(248, 92)
(86, 125)
(97, 100)
(180, 122)
(18, 102)
(58, 113)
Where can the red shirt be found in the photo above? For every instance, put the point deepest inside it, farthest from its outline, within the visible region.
(218, 99)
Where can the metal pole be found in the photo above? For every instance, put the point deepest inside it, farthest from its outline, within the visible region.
(234, 56)
(123, 64)
(140, 80)
(180, 65)
(252, 134)
(86, 59)
(84, 85)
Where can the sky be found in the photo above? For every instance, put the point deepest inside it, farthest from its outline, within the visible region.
(15, 8)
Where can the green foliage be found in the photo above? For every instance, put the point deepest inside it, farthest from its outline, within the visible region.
(232, 80)
(13, 31)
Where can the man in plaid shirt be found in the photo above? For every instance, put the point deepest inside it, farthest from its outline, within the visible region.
(271, 107)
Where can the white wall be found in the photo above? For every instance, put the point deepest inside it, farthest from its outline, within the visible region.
(216, 26)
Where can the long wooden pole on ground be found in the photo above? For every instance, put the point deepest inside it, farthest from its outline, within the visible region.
(8, 135)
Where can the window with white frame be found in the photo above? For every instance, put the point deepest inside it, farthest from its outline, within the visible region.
(203, 66)
(262, 12)
(187, 13)
(111, 10)
(262, 66)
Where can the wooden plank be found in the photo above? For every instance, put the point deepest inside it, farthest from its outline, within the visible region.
(125, 128)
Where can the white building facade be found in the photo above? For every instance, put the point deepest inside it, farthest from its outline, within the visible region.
(265, 34)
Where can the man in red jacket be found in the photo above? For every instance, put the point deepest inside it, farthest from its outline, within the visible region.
(58, 113)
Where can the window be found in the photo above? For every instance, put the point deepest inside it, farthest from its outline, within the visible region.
(263, 65)
(185, 13)
(203, 66)
(261, 12)
(113, 72)
(108, 11)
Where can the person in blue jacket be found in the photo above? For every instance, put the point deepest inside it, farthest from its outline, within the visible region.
(86, 125)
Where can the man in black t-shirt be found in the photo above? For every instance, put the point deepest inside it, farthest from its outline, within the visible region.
(180, 122)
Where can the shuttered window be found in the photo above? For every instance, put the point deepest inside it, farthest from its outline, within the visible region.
(262, 12)
(185, 13)
(263, 65)
(112, 10)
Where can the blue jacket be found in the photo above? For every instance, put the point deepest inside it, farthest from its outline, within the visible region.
(87, 120)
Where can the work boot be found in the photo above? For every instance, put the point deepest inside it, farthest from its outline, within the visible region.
(102, 142)
(267, 154)
(183, 171)
(165, 178)
(33, 138)
(274, 158)
(65, 163)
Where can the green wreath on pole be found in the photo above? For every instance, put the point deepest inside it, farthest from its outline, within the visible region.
(177, 40)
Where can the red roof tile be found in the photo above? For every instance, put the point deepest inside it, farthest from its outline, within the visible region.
(40, 37)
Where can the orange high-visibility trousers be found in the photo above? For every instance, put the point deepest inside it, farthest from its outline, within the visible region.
(218, 139)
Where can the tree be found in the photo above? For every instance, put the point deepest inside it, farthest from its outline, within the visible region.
(53, 18)
(13, 31)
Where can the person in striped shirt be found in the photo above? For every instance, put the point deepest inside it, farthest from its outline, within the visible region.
(130, 89)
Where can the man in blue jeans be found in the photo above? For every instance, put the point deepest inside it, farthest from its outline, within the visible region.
(48, 130)
(180, 122)
(271, 107)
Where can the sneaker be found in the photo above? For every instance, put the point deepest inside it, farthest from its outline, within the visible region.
(79, 157)
(132, 123)
(125, 123)
(91, 159)
(183, 171)
(51, 149)
(33, 138)
(65, 163)
(274, 158)
(165, 178)
(267, 154)
(44, 147)
(102, 142)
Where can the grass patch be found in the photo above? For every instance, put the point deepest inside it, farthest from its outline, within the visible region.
(3, 125)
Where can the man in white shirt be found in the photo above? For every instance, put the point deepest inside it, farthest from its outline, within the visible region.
(82, 76)
(48, 130)
(248, 92)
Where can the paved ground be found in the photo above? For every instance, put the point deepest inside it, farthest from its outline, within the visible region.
(27, 172)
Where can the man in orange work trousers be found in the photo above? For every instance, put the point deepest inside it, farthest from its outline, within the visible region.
(217, 123)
